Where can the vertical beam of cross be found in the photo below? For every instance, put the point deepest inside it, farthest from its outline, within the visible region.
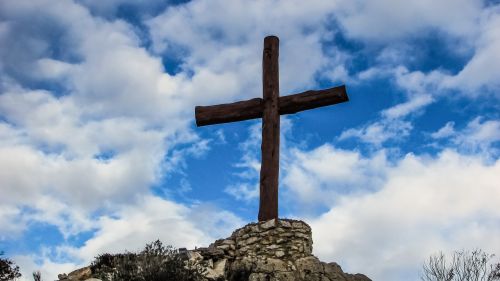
(269, 171)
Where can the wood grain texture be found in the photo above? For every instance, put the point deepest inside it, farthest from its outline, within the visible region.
(252, 109)
(269, 171)
(229, 112)
(312, 99)
(269, 108)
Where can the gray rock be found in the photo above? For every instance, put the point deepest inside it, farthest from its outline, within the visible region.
(268, 224)
(217, 271)
(77, 275)
(278, 250)
(275, 250)
(194, 255)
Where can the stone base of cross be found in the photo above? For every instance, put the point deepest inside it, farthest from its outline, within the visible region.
(269, 108)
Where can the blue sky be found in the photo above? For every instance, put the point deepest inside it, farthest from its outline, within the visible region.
(99, 151)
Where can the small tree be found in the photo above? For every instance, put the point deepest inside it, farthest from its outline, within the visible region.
(37, 276)
(464, 266)
(8, 270)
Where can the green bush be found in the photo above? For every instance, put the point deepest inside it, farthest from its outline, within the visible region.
(8, 270)
(155, 263)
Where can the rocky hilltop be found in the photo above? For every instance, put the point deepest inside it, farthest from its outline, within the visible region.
(275, 250)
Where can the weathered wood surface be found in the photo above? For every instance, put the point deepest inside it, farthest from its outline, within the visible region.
(312, 99)
(252, 109)
(229, 112)
(269, 109)
(269, 171)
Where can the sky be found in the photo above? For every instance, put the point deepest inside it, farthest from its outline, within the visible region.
(99, 151)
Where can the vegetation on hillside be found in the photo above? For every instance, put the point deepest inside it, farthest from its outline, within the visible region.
(156, 262)
(463, 266)
(37, 276)
(8, 270)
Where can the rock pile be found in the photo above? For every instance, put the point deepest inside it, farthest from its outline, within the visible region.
(275, 250)
(279, 239)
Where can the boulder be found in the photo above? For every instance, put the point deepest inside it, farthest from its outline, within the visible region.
(80, 274)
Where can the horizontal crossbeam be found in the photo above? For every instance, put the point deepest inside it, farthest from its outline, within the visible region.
(252, 109)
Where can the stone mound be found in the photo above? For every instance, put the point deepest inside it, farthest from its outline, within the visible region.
(275, 250)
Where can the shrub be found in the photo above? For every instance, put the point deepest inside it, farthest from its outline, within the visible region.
(155, 263)
(464, 266)
(8, 270)
(37, 276)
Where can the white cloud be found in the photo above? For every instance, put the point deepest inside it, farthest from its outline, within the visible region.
(214, 222)
(479, 136)
(421, 89)
(10, 221)
(397, 212)
(404, 212)
(48, 268)
(393, 124)
(149, 219)
(243, 191)
(100, 64)
(418, 82)
(64, 192)
(469, 29)
(226, 37)
(152, 218)
(30, 36)
(111, 131)
(102, 140)
(445, 131)
(99, 140)
(132, 225)
(176, 157)
(479, 74)
(403, 109)
(52, 69)
(386, 20)
(319, 176)
(378, 132)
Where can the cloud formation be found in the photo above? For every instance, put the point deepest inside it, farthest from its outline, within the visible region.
(398, 212)
(96, 104)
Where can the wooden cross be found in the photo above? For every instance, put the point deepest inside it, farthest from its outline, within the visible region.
(269, 108)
